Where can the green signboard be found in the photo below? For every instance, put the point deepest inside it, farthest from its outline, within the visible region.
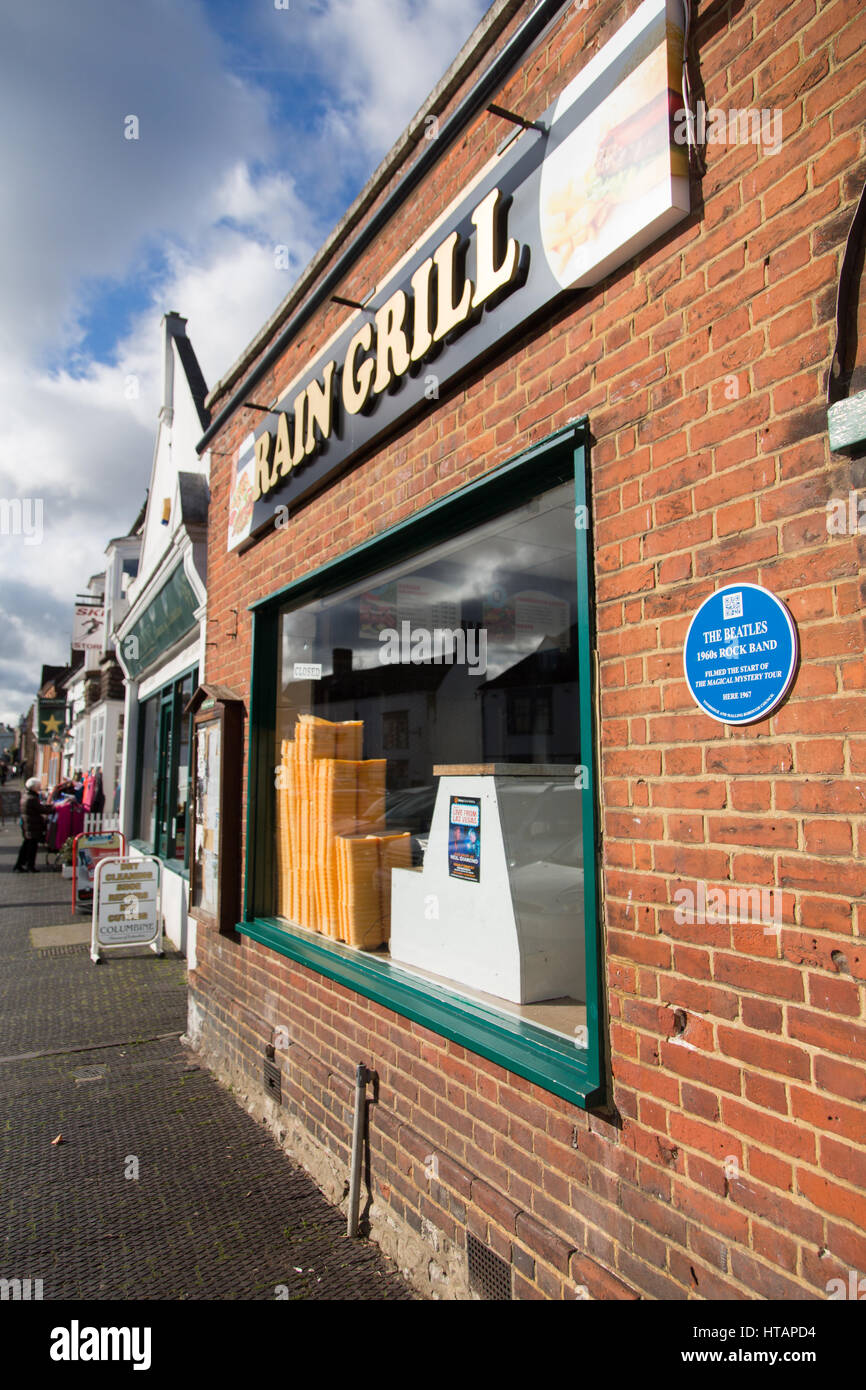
(169, 616)
(51, 715)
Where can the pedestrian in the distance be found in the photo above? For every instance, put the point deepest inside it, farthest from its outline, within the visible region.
(32, 825)
(97, 805)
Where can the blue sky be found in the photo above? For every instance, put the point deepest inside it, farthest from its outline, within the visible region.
(257, 127)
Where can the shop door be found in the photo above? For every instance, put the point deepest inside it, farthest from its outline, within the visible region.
(164, 808)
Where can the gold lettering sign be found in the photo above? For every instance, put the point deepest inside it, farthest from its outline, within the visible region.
(282, 449)
(391, 341)
(404, 330)
(299, 408)
(263, 476)
(489, 277)
(449, 311)
(320, 408)
(357, 380)
(422, 340)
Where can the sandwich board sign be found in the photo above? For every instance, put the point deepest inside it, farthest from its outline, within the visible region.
(126, 906)
(88, 849)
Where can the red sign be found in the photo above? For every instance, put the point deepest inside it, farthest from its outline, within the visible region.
(88, 849)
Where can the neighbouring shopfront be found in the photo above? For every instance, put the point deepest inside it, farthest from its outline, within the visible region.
(160, 635)
(49, 723)
(161, 805)
(93, 745)
(520, 567)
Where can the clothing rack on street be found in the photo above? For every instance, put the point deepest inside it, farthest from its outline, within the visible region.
(67, 820)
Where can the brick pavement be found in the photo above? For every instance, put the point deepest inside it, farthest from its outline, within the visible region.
(216, 1211)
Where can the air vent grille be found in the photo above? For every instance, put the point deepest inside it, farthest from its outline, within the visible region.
(489, 1275)
(273, 1078)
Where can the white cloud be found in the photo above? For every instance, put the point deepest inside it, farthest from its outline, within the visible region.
(191, 213)
(80, 199)
(378, 60)
(385, 56)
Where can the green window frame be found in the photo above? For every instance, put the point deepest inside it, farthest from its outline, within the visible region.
(540, 1056)
(168, 712)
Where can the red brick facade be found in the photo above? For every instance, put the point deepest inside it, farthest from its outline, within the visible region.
(730, 1160)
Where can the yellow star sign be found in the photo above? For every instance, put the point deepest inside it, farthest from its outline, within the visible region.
(52, 725)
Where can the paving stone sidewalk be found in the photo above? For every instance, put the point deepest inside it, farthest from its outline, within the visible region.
(216, 1211)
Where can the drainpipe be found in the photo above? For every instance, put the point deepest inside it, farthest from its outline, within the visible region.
(362, 1078)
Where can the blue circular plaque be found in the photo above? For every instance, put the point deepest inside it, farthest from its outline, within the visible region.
(740, 654)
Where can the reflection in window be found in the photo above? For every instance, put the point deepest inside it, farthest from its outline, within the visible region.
(148, 746)
(164, 761)
(447, 682)
(183, 696)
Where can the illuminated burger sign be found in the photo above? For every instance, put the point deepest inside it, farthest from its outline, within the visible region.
(562, 206)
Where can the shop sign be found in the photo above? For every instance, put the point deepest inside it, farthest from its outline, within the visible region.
(51, 716)
(88, 627)
(88, 850)
(169, 616)
(126, 905)
(570, 199)
(740, 654)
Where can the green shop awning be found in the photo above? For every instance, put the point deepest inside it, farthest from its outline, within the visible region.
(167, 618)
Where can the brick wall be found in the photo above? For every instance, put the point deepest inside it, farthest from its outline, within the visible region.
(730, 1162)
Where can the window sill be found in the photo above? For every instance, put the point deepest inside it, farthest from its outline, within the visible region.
(548, 1060)
(174, 866)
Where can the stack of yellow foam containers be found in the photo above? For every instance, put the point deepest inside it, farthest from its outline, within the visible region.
(334, 857)
(364, 864)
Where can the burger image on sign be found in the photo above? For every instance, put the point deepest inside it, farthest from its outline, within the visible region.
(618, 171)
(241, 498)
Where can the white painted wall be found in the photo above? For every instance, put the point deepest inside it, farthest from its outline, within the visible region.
(178, 432)
(113, 711)
(178, 927)
(130, 744)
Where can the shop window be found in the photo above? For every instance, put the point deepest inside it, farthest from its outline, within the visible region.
(529, 712)
(79, 745)
(180, 794)
(128, 573)
(118, 764)
(97, 738)
(423, 756)
(161, 823)
(148, 748)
